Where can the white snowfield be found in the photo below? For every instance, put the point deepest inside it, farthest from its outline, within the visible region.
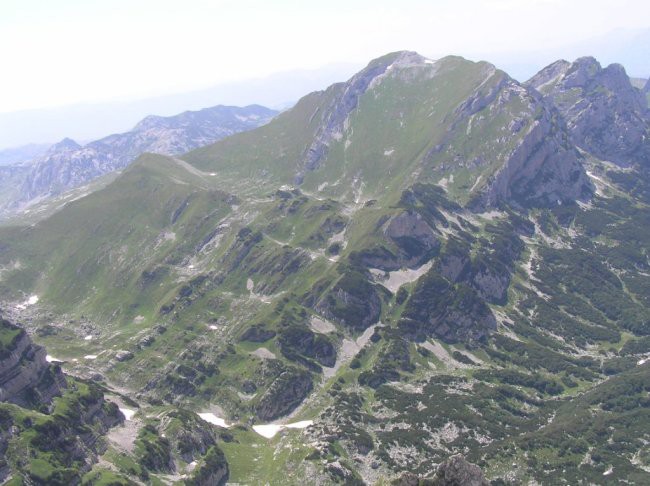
(267, 430)
(128, 413)
(213, 419)
(31, 301)
(270, 430)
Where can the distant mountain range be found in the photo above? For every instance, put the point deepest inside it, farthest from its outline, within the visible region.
(67, 164)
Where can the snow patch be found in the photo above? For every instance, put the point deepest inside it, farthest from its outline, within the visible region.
(33, 299)
(90, 356)
(642, 361)
(213, 419)
(88, 338)
(128, 413)
(270, 430)
(303, 424)
(52, 359)
(609, 471)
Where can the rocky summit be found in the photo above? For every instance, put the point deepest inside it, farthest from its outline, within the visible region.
(430, 273)
(606, 115)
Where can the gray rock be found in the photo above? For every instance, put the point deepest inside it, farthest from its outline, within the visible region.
(123, 355)
(26, 378)
(544, 167)
(147, 341)
(605, 114)
(345, 101)
(286, 392)
(455, 471)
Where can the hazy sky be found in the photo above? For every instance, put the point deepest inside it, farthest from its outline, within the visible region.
(58, 52)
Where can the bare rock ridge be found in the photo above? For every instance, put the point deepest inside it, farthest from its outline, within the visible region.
(605, 114)
(455, 471)
(26, 378)
(543, 169)
(346, 100)
(67, 164)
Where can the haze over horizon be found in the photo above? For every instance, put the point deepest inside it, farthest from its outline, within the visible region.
(70, 62)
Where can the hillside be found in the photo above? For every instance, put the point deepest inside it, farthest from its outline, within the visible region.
(427, 259)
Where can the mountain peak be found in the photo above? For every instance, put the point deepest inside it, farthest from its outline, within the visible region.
(65, 145)
(605, 113)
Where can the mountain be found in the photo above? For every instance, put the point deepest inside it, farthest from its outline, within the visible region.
(607, 116)
(428, 259)
(67, 165)
(345, 143)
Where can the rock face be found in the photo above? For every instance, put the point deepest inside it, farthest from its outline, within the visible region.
(455, 471)
(543, 169)
(346, 100)
(605, 114)
(353, 302)
(26, 378)
(413, 236)
(285, 394)
(213, 472)
(450, 312)
(67, 164)
(71, 430)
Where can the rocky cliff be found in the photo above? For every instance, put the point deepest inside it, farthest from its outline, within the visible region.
(605, 114)
(44, 418)
(455, 471)
(26, 378)
(336, 114)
